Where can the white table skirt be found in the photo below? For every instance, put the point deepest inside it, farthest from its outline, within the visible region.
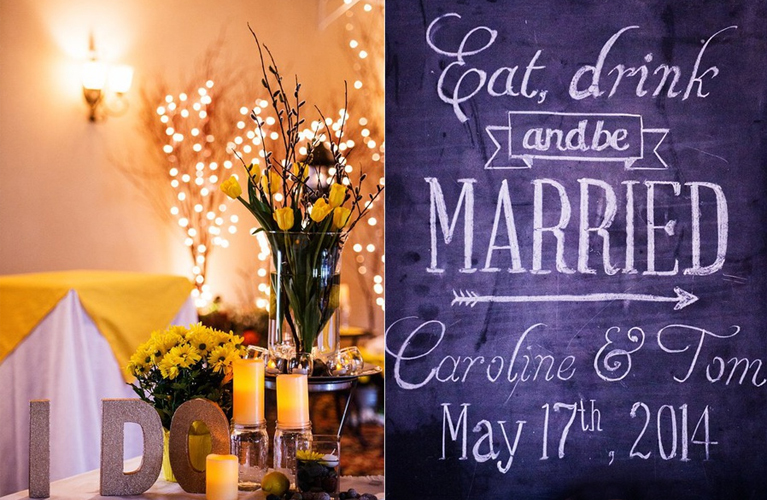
(86, 486)
(67, 360)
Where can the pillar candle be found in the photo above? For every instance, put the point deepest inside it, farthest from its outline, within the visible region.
(292, 400)
(221, 477)
(248, 386)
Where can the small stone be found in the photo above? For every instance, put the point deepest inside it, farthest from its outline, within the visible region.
(342, 495)
(272, 496)
(368, 496)
(329, 483)
(320, 369)
(352, 493)
(297, 496)
(322, 496)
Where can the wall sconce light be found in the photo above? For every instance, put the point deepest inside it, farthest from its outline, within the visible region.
(104, 86)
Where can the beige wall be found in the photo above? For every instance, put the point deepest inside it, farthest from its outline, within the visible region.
(64, 203)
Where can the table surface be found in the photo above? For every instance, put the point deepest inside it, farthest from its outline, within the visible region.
(86, 486)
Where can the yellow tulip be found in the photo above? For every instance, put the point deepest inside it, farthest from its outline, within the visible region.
(231, 187)
(337, 195)
(302, 169)
(284, 218)
(254, 172)
(270, 181)
(320, 210)
(341, 217)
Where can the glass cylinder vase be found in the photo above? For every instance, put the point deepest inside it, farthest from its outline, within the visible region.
(304, 327)
(318, 470)
(288, 440)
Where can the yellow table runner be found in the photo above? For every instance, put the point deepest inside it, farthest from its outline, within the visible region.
(126, 307)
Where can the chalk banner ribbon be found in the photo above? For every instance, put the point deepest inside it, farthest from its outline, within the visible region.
(607, 137)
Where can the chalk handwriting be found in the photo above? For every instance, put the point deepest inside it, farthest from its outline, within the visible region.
(469, 80)
(607, 367)
(458, 431)
(670, 431)
(506, 227)
(461, 80)
(594, 90)
(521, 366)
(420, 358)
(529, 136)
(718, 367)
(668, 450)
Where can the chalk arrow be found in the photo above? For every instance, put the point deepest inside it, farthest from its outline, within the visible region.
(468, 298)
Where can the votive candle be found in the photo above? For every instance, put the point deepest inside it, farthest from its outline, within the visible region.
(292, 400)
(248, 388)
(221, 477)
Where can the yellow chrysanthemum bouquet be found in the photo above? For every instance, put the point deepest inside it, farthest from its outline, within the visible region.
(179, 364)
(307, 214)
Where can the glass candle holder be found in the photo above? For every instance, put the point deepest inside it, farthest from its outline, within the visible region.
(250, 444)
(347, 361)
(318, 470)
(287, 442)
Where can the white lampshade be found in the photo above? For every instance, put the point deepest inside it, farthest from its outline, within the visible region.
(94, 75)
(120, 78)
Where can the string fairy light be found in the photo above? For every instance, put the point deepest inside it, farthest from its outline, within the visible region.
(189, 131)
(366, 48)
(199, 200)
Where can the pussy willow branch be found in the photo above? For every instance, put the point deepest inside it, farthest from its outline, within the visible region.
(287, 136)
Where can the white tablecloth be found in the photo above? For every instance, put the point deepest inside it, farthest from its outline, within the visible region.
(67, 360)
(86, 486)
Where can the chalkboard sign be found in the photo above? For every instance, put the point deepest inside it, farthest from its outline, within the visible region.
(576, 249)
